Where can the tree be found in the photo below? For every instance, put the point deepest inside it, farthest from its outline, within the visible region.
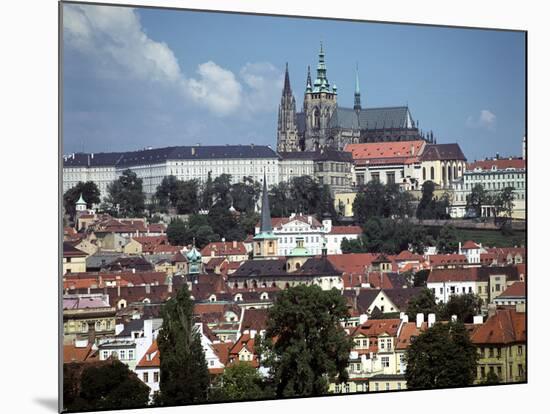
(184, 376)
(241, 381)
(178, 233)
(182, 195)
(477, 198)
(370, 202)
(311, 348)
(420, 278)
(424, 303)
(222, 187)
(221, 220)
(464, 306)
(279, 200)
(504, 204)
(442, 356)
(110, 386)
(353, 245)
(245, 195)
(89, 192)
(127, 194)
(491, 378)
(431, 207)
(447, 242)
(207, 193)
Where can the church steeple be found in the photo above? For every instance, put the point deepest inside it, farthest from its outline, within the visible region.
(321, 83)
(286, 88)
(287, 129)
(308, 82)
(357, 95)
(265, 242)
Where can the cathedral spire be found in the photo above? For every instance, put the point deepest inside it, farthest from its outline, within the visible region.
(321, 83)
(286, 89)
(308, 82)
(357, 95)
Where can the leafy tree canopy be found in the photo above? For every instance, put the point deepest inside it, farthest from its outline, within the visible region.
(126, 194)
(442, 356)
(89, 192)
(184, 376)
(111, 386)
(311, 348)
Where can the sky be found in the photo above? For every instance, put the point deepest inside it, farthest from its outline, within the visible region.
(138, 77)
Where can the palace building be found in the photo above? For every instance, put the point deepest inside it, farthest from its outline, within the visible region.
(323, 123)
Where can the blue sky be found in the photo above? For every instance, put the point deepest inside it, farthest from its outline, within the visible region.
(151, 77)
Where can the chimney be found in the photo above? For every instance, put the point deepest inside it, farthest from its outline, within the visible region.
(309, 220)
(133, 270)
(405, 318)
(193, 151)
(234, 244)
(459, 247)
(363, 318)
(478, 319)
(520, 307)
(454, 318)
(412, 149)
(252, 333)
(148, 288)
(419, 319)
(431, 319)
(118, 289)
(491, 310)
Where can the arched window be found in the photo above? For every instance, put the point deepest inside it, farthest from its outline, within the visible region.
(254, 284)
(450, 173)
(424, 173)
(443, 175)
(316, 118)
(297, 265)
(432, 173)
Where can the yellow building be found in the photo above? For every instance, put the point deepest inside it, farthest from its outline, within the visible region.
(74, 260)
(87, 316)
(343, 203)
(502, 346)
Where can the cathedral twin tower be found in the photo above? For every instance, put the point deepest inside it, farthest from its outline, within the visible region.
(322, 123)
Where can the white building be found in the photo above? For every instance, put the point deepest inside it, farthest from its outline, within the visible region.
(494, 176)
(185, 163)
(289, 230)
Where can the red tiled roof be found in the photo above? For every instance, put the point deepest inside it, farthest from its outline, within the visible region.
(501, 164)
(470, 245)
(222, 351)
(406, 255)
(72, 353)
(151, 358)
(352, 263)
(446, 259)
(409, 330)
(224, 249)
(346, 230)
(515, 290)
(467, 274)
(505, 327)
(385, 151)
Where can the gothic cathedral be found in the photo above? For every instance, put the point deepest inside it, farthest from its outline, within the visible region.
(322, 123)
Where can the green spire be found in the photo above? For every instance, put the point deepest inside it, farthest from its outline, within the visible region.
(321, 83)
(81, 200)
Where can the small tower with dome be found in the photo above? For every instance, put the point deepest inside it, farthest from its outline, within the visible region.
(81, 205)
(194, 259)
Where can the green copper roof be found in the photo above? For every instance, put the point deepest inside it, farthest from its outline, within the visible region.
(193, 255)
(81, 200)
(264, 235)
(299, 252)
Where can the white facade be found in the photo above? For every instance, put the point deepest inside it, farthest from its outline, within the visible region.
(308, 229)
(185, 163)
(291, 168)
(493, 176)
(444, 290)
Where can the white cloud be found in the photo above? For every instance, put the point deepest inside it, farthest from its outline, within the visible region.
(217, 89)
(264, 83)
(117, 44)
(119, 48)
(486, 120)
